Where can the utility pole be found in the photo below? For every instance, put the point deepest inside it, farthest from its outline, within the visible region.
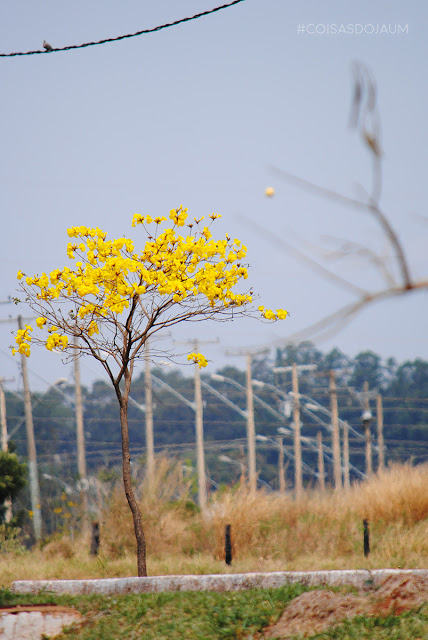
(4, 438)
(335, 431)
(281, 469)
(149, 418)
(367, 418)
(321, 473)
(81, 458)
(364, 399)
(4, 441)
(199, 427)
(346, 480)
(380, 443)
(31, 444)
(294, 368)
(251, 430)
(297, 434)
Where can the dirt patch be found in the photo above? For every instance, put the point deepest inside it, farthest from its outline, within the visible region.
(315, 611)
(397, 595)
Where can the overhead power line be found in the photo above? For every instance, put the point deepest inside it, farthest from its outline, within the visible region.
(50, 49)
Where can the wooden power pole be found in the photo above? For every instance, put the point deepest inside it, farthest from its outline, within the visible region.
(31, 445)
(298, 484)
(367, 418)
(281, 470)
(81, 457)
(4, 439)
(321, 473)
(251, 430)
(199, 427)
(4, 442)
(346, 479)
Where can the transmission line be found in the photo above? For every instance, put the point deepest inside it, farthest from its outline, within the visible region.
(49, 49)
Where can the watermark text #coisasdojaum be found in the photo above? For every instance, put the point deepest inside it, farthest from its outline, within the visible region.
(352, 29)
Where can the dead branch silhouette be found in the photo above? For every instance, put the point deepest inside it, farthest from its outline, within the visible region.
(365, 120)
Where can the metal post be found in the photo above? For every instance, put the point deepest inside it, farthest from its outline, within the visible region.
(335, 432)
(81, 458)
(251, 431)
(95, 539)
(31, 444)
(366, 537)
(149, 419)
(321, 472)
(380, 443)
(228, 544)
(298, 485)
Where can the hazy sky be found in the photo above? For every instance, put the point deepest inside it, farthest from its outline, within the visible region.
(197, 114)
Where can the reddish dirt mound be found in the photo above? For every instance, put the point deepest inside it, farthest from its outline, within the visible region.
(314, 611)
(396, 595)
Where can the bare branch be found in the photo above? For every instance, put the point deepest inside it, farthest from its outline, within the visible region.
(351, 247)
(329, 325)
(365, 119)
(301, 257)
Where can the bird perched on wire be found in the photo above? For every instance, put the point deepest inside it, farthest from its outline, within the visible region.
(47, 46)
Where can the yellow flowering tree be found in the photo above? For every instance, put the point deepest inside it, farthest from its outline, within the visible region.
(115, 298)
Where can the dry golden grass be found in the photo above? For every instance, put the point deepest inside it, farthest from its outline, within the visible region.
(398, 494)
(270, 532)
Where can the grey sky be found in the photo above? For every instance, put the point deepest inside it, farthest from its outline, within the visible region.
(195, 115)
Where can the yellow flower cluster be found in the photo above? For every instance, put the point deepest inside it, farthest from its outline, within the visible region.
(54, 341)
(23, 340)
(280, 314)
(198, 359)
(110, 275)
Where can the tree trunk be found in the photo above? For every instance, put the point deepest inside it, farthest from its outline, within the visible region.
(127, 483)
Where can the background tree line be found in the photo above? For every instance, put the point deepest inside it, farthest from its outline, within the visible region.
(403, 387)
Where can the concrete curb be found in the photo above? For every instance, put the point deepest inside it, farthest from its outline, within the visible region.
(360, 578)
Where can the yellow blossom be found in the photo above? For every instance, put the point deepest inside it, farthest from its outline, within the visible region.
(93, 328)
(198, 359)
(110, 278)
(137, 219)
